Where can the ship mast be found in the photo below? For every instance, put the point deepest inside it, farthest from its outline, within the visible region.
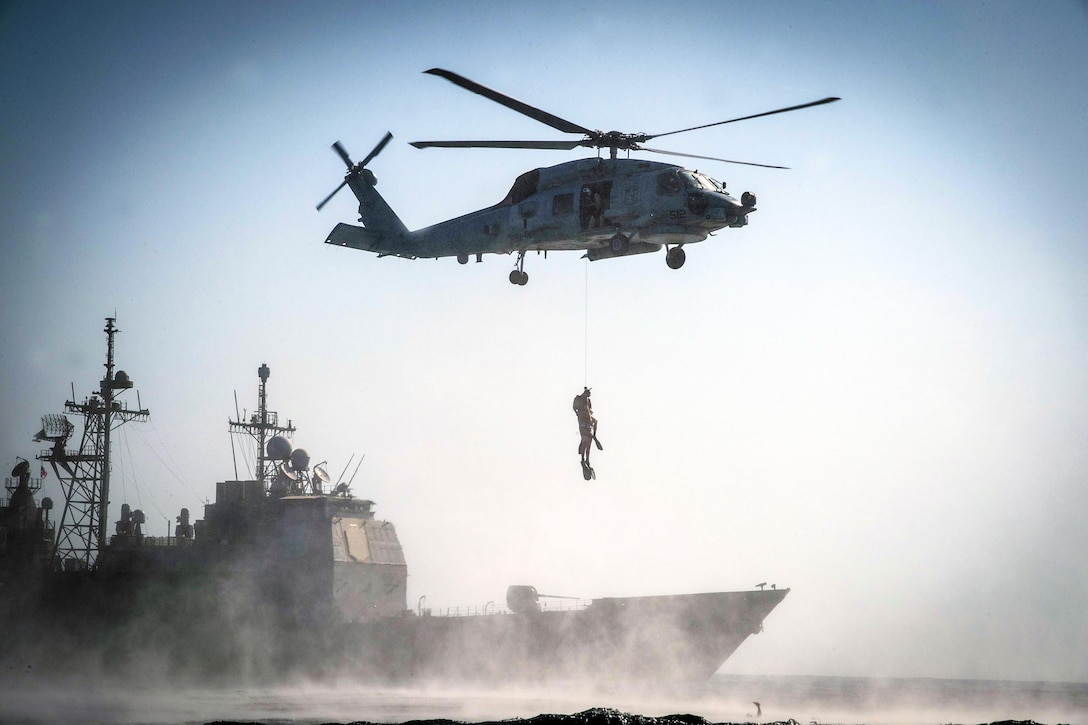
(261, 424)
(85, 475)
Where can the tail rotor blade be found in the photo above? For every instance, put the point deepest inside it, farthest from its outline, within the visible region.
(330, 196)
(343, 154)
(377, 149)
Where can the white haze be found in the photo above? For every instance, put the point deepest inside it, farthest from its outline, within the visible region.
(874, 394)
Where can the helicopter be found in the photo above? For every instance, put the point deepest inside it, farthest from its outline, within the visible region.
(607, 208)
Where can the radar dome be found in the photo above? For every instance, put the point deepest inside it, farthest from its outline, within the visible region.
(279, 448)
(300, 460)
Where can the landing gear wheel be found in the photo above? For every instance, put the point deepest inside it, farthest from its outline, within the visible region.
(518, 276)
(462, 259)
(587, 471)
(619, 244)
(675, 258)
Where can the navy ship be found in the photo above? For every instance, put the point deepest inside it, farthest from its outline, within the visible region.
(290, 574)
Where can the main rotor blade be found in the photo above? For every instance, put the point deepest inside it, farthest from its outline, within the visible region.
(378, 149)
(343, 154)
(521, 107)
(710, 158)
(745, 118)
(553, 145)
(330, 196)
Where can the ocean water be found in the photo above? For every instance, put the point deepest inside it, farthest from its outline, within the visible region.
(804, 700)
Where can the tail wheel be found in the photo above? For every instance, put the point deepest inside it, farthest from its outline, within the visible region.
(675, 258)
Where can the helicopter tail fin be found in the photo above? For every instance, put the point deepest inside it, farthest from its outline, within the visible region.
(374, 212)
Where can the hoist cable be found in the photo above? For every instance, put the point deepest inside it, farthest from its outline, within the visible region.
(585, 341)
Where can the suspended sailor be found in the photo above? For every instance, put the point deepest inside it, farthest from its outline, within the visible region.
(587, 429)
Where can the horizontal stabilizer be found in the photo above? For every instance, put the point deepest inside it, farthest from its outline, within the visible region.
(368, 240)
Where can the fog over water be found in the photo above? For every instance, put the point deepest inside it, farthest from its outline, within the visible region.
(875, 394)
(724, 699)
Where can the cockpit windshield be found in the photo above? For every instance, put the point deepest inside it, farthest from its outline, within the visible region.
(696, 181)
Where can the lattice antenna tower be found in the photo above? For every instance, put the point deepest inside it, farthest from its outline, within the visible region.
(84, 475)
(262, 425)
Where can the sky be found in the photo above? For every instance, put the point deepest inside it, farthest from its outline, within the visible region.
(875, 394)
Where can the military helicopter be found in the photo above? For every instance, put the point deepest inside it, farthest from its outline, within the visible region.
(605, 207)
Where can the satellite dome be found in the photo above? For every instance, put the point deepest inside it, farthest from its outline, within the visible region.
(300, 460)
(121, 376)
(279, 448)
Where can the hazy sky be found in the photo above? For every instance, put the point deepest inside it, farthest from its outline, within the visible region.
(875, 394)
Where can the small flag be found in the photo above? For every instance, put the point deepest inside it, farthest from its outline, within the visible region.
(43, 471)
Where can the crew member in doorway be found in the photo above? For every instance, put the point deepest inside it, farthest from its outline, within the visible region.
(592, 208)
(587, 429)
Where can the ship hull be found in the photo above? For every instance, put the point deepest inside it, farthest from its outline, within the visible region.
(675, 637)
(202, 635)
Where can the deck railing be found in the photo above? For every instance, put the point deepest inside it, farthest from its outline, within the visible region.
(566, 605)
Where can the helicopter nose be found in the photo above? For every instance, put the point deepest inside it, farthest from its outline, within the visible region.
(731, 212)
(738, 215)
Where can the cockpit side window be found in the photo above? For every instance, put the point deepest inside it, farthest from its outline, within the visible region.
(668, 184)
(563, 204)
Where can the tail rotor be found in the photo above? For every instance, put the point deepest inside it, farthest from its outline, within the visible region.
(353, 168)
